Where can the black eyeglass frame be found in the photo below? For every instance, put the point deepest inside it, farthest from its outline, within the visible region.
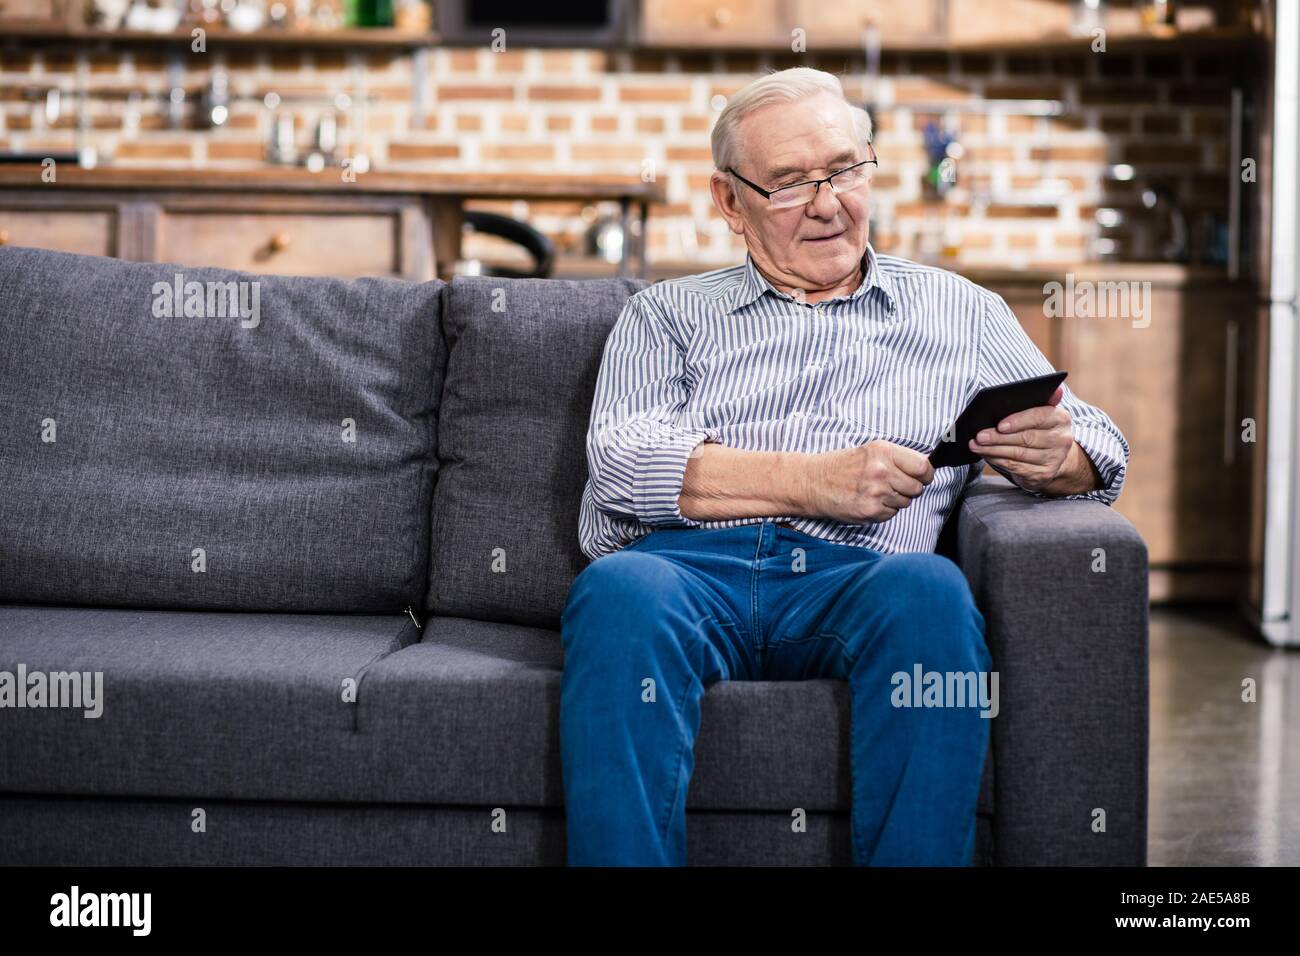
(768, 193)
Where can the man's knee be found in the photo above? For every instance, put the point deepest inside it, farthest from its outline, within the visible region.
(924, 580)
(620, 589)
(930, 600)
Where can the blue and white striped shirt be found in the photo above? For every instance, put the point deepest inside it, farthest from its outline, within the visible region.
(724, 357)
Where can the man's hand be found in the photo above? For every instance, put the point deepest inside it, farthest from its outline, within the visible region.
(870, 482)
(1036, 449)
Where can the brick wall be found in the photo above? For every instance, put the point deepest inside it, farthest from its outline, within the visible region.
(1027, 189)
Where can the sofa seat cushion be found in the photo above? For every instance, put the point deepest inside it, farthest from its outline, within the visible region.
(251, 706)
(194, 704)
(476, 707)
(162, 451)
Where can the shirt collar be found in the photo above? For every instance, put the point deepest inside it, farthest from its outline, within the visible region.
(753, 284)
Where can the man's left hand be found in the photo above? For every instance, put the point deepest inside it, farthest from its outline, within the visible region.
(1036, 449)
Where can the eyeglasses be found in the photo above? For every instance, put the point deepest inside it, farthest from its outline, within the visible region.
(799, 194)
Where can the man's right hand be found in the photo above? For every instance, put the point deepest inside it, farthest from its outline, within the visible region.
(871, 482)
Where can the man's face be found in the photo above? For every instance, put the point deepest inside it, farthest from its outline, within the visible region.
(815, 246)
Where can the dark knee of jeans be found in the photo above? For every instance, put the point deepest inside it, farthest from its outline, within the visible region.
(625, 584)
(927, 580)
(625, 575)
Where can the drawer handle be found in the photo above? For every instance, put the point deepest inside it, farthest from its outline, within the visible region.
(279, 242)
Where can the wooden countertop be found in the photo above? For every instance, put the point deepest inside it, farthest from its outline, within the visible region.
(505, 185)
(1157, 273)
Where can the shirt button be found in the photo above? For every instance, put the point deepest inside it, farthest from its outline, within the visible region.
(796, 415)
(814, 366)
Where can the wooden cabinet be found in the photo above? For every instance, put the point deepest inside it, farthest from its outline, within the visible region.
(712, 23)
(911, 24)
(994, 21)
(90, 230)
(51, 12)
(345, 244)
(344, 236)
(840, 24)
(770, 23)
(1178, 386)
(1179, 390)
(284, 220)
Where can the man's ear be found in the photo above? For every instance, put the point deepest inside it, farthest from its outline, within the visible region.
(725, 197)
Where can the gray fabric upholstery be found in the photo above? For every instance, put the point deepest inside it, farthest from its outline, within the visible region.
(521, 370)
(221, 704)
(1070, 646)
(129, 832)
(249, 706)
(495, 689)
(175, 434)
(180, 433)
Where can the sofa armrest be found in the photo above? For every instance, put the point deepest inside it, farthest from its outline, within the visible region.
(1062, 585)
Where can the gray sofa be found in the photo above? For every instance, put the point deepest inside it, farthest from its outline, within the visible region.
(182, 511)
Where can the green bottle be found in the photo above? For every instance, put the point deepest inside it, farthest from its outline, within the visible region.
(373, 13)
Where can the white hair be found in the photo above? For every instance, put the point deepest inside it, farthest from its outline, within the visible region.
(784, 86)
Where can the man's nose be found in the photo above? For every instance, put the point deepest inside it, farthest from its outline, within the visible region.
(825, 204)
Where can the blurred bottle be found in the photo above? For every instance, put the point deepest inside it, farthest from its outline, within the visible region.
(374, 13)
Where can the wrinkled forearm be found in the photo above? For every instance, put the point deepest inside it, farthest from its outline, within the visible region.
(722, 483)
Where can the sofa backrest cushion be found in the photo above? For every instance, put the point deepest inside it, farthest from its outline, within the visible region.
(523, 355)
(178, 452)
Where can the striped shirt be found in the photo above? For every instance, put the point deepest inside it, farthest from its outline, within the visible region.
(724, 357)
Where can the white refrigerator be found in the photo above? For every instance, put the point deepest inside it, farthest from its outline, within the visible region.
(1275, 549)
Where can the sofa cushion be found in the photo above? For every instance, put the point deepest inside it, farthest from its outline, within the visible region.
(193, 703)
(523, 355)
(204, 462)
(251, 706)
(477, 707)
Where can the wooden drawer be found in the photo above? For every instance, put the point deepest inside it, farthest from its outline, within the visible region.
(991, 21)
(714, 23)
(88, 231)
(842, 24)
(39, 11)
(343, 244)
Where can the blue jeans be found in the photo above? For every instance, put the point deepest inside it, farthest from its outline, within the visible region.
(686, 607)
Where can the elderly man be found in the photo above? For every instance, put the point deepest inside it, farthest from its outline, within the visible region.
(761, 506)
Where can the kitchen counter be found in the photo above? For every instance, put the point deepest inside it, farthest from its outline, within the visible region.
(297, 179)
(1157, 273)
(284, 219)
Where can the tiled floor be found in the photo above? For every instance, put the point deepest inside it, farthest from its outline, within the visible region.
(1225, 775)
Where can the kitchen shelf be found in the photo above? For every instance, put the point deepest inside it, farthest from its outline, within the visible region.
(571, 266)
(392, 38)
(1217, 38)
(360, 38)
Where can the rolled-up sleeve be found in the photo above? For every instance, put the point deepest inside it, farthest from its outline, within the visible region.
(640, 439)
(1007, 353)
